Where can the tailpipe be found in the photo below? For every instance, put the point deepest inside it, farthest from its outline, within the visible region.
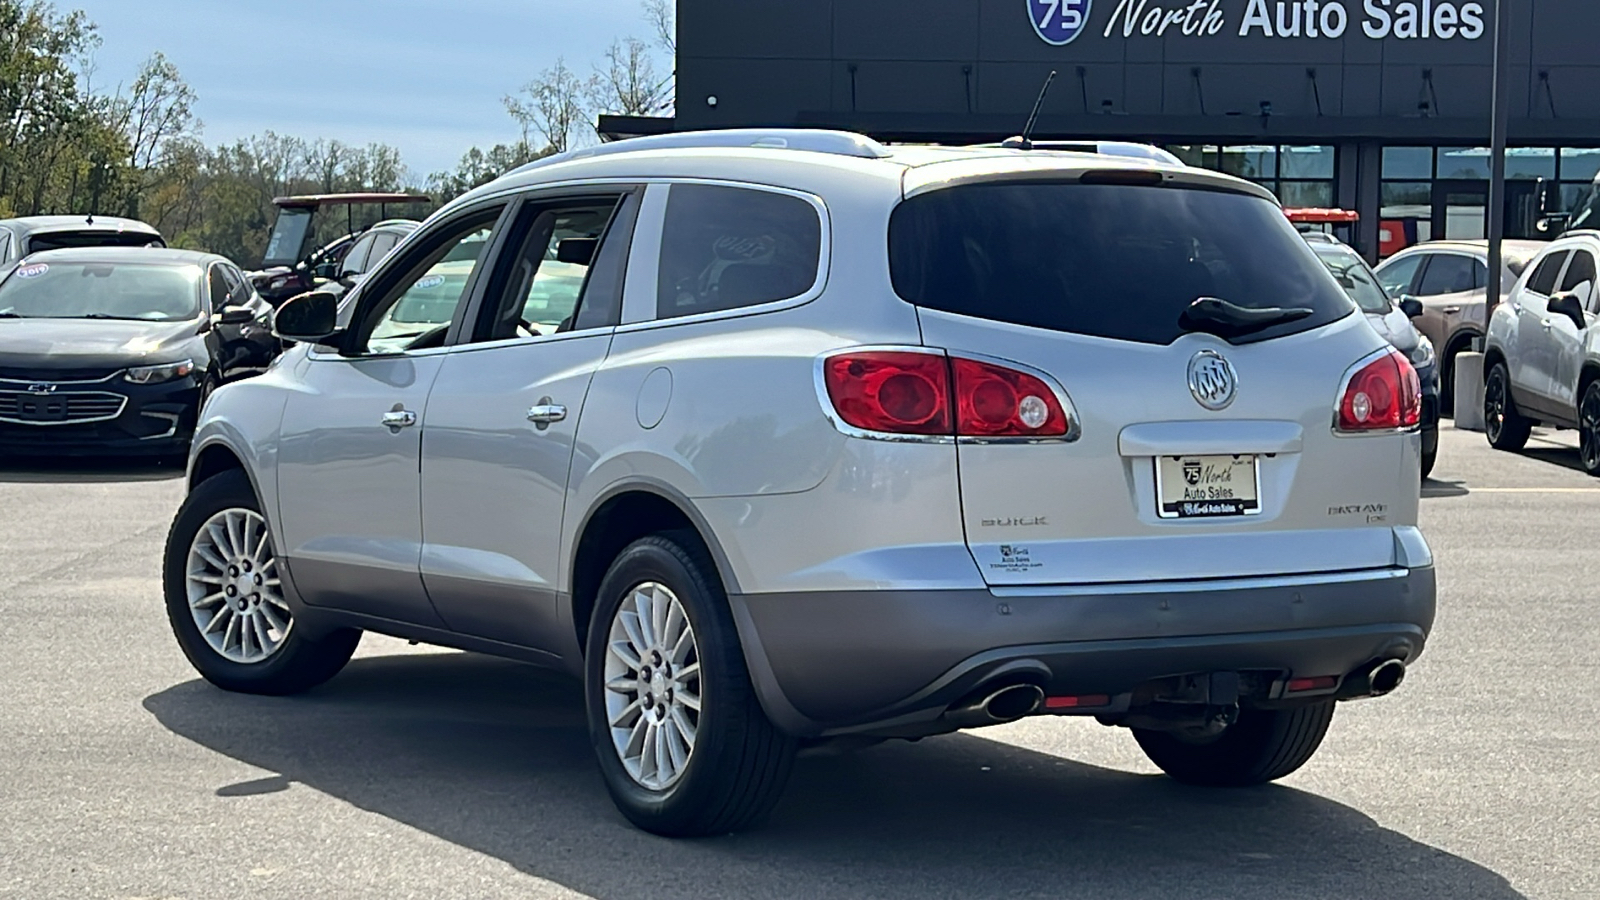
(1375, 680)
(996, 706)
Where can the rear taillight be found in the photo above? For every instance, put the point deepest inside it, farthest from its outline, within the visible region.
(920, 393)
(1381, 394)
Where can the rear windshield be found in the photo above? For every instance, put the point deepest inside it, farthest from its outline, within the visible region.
(1112, 261)
(61, 240)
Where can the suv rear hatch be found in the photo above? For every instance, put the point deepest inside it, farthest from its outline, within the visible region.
(1091, 280)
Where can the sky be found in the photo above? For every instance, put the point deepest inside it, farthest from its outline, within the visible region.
(425, 76)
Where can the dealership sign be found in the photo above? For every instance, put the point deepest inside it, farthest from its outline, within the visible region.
(1060, 22)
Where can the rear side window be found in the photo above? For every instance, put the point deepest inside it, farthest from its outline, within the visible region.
(1543, 279)
(725, 248)
(1446, 274)
(1113, 261)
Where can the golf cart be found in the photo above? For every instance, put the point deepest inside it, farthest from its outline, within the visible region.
(290, 265)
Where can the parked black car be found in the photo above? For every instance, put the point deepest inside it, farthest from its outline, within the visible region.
(35, 234)
(114, 350)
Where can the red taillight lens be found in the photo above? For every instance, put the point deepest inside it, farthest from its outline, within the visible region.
(891, 391)
(1384, 394)
(993, 401)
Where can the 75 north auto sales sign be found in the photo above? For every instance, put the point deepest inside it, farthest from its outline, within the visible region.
(1060, 22)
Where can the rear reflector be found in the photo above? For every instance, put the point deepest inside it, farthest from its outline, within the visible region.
(1087, 701)
(1319, 683)
(1383, 394)
(915, 392)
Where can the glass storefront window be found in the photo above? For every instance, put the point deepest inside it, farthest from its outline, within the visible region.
(1464, 162)
(1579, 164)
(1407, 162)
(1305, 162)
(1531, 162)
(1252, 162)
(1317, 194)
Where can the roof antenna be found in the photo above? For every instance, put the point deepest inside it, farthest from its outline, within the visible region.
(1024, 142)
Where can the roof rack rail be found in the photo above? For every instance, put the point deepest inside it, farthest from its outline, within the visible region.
(1104, 148)
(839, 143)
(1586, 232)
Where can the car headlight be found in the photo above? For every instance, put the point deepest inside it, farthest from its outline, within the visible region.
(1422, 354)
(159, 374)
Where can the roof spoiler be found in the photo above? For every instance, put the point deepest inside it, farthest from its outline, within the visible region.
(1126, 149)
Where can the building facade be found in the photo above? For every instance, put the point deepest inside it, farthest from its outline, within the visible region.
(1381, 106)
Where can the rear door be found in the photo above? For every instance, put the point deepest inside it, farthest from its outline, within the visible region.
(1087, 285)
(1530, 355)
(1566, 338)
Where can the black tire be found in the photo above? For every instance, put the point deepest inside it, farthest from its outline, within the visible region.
(739, 762)
(1262, 746)
(1505, 428)
(300, 661)
(1430, 455)
(1589, 428)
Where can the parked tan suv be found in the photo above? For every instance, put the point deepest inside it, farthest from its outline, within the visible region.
(1451, 279)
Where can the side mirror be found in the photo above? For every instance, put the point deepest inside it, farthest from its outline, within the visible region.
(1567, 304)
(1411, 306)
(309, 318)
(235, 315)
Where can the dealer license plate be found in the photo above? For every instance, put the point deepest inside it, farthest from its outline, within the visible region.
(1204, 487)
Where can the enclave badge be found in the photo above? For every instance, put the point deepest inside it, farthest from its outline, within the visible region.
(1212, 380)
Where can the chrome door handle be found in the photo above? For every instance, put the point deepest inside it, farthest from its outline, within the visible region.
(546, 413)
(1451, 310)
(1544, 323)
(398, 419)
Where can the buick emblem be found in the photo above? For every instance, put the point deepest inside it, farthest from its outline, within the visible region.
(41, 388)
(1212, 380)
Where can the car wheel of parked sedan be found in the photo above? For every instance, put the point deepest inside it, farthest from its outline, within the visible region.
(683, 743)
(1589, 429)
(225, 600)
(1262, 746)
(1430, 456)
(1502, 424)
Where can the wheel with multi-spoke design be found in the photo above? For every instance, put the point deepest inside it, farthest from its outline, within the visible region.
(1589, 428)
(682, 740)
(225, 597)
(1505, 428)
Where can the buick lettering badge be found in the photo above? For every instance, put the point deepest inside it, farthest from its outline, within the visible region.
(41, 388)
(1212, 380)
(1059, 22)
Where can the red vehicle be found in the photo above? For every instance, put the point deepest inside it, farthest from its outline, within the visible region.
(291, 266)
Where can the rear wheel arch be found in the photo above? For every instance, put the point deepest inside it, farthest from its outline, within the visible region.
(620, 518)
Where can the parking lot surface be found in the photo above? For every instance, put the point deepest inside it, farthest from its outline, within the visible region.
(424, 773)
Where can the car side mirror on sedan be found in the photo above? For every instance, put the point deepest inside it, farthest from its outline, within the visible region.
(1567, 304)
(234, 315)
(1411, 306)
(309, 318)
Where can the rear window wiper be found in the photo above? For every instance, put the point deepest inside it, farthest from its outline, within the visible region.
(1211, 315)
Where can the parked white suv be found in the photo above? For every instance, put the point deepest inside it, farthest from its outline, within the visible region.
(1542, 358)
(778, 436)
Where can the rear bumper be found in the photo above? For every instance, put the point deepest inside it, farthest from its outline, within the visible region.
(894, 661)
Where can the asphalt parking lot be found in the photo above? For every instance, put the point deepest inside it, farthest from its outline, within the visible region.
(427, 774)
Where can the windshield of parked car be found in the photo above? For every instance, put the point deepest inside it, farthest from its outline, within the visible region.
(143, 292)
(1128, 262)
(1352, 273)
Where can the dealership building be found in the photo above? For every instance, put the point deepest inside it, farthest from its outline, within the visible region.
(1381, 106)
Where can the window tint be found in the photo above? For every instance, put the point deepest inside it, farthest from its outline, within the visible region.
(1446, 273)
(1480, 275)
(1397, 276)
(5, 244)
(431, 285)
(238, 288)
(218, 286)
(1580, 277)
(1350, 270)
(381, 245)
(540, 290)
(1113, 261)
(355, 261)
(1543, 279)
(724, 248)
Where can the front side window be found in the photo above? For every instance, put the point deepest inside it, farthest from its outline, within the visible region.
(417, 308)
(1447, 273)
(238, 287)
(5, 245)
(355, 261)
(217, 286)
(142, 292)
(1350, 270)
(1396, 276)
(1125, 262)
(725, 248)
(1580, 278)
(548, 279)
(1543, 279)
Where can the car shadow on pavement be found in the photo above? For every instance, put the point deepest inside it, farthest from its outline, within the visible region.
(1566, 457)
(74, 470)
(493, 756)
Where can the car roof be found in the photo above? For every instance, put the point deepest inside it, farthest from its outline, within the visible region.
(46, 224)
(792, 157)
(1515, 245)
(147, 255)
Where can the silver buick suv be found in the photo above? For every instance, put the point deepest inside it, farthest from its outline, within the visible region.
(780, 437)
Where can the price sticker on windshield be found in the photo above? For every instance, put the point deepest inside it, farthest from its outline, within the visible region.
(32, 271)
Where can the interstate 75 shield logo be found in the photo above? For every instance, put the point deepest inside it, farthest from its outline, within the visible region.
(1059, 22)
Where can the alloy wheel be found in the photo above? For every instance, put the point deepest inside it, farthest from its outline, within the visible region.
(652, 686)
(233, 587)
(1589, 429)
(1494, 406)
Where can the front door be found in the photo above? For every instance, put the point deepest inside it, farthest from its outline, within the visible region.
(503, 418)
(350, 450)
